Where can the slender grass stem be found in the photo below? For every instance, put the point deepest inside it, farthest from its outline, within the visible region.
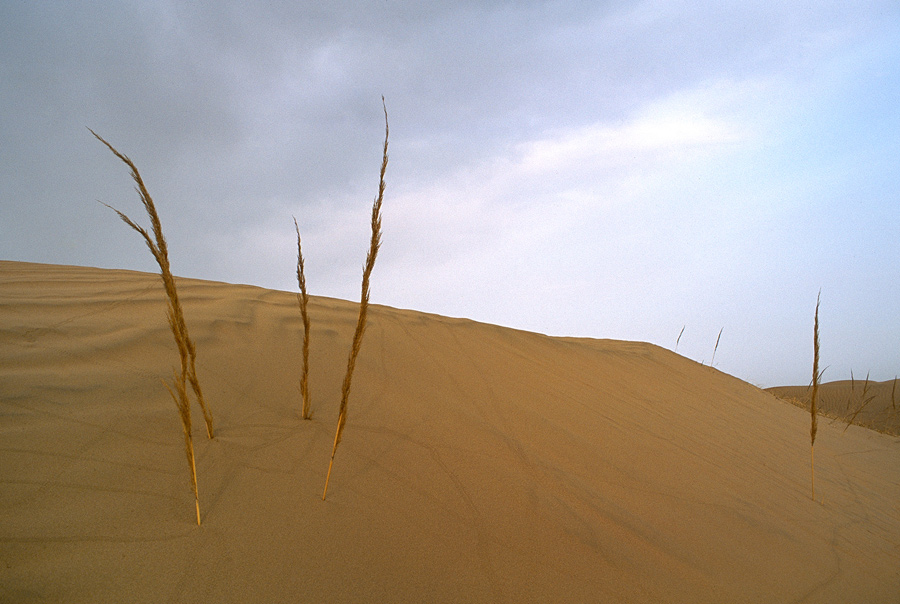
(719, 337)
(374, 245)
(186, 351)
(815, 393)
(303, 300)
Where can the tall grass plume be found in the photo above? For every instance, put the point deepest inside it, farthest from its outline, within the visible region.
(814, 398)
(186, 350)
(374, 244)
(303, 300)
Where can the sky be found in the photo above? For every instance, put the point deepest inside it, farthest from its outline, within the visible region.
(662, 170)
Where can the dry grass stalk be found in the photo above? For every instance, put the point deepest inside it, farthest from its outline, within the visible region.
(364, 302)
(852, 390)
(678, 339)
(815, 393)
(184, 408)
(712, 362)
(303, 300)
(893, 395)
(160, 251)
(865, 399)
(186, 350)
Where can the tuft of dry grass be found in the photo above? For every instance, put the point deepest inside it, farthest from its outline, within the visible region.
(815, 393)
(186, 350)
(852, 390)
(303, 300)
(864, 399)
(374, 244)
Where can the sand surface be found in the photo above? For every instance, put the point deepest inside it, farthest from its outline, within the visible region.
(478, 464)
(871, 404)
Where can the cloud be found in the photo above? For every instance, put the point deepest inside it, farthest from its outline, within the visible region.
(605, 169)
(662, 128)
(547, 220)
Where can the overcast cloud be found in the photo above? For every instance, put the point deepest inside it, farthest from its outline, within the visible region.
(602, 169)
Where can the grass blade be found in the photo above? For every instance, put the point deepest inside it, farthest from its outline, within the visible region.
(712, 362)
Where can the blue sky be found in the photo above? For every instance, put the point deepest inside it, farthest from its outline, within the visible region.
(601, 169)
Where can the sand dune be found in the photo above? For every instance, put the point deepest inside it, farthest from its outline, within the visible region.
(875, 405)
(479, 464)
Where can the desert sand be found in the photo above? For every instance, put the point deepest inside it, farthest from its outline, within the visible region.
(874, 405)
(478, 463)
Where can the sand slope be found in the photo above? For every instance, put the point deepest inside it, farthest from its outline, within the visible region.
(874, 405)
(479, 464)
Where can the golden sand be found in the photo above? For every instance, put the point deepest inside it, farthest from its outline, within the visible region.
(478, 463)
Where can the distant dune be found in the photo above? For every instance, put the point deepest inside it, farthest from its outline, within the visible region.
(478, 463)
(874, 405)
